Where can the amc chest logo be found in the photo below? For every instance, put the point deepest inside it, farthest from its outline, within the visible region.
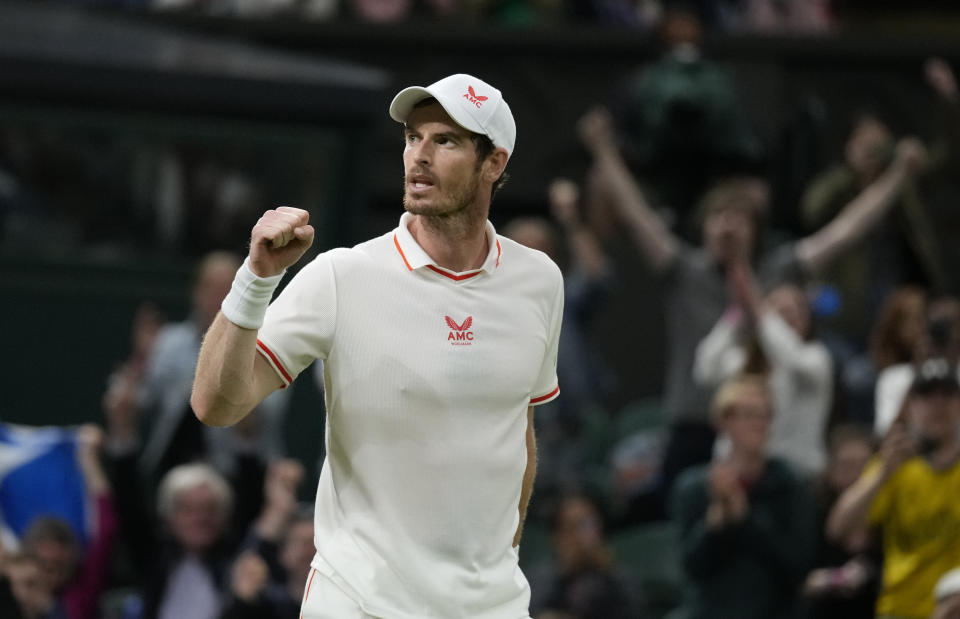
(460, 334)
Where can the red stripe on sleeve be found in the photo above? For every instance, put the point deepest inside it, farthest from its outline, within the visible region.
(276, 362)
(542, 398)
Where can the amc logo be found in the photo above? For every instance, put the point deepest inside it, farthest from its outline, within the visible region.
(473, 97)
(460, 335)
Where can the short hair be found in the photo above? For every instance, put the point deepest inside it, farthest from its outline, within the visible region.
(214, 259)
(53, 529)
(850, 433)
(189, 476)
(730, 391)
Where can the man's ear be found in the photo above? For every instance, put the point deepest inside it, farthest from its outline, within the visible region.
(494, 165)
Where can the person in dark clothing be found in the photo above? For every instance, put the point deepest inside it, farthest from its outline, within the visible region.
(845, 580)
(268, 578)
(583, 581)
(745, 521)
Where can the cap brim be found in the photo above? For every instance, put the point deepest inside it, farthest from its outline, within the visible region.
(403, 103)
(408, 98)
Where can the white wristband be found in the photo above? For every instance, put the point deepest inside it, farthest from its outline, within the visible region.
(249, 296)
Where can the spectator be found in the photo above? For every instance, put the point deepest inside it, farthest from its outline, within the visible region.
(175, 436)
(75, 575)
(745, 520)
(939, 338)
(912, 493)
(895, 339)
(947, 594)
(774, 334)
(695, 294)
(845, 580)
(902, 248)
(268, 579)
(194, 503)
(31, 591)
(583, 581)
(9, 607)
(899, 329)
(681, 122)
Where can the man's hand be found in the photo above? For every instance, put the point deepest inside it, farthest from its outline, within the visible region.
(941, 78)
(910, 153)
(564, 196)
(250, 576)
(279, 239)
(596, 130)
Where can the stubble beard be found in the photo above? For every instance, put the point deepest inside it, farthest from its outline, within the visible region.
(452, 211)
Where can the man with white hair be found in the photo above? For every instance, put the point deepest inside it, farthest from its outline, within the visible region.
(438, 339)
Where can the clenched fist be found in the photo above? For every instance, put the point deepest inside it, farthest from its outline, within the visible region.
(279, 239)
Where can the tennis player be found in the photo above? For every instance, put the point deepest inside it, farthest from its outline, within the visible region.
(438, 340)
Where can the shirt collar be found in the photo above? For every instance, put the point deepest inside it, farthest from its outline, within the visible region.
(415, 258)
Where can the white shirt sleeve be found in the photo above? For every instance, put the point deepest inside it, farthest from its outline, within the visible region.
(300, 323)
(786, 349)
(547, 387)
(891, 391)
(719, 355)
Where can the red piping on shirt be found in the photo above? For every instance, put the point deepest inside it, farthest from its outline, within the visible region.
(555, 391)
(275, 361)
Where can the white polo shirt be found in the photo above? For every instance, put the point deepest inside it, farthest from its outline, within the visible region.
(428, 376)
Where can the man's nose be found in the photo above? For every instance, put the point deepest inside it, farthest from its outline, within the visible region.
(422, 152)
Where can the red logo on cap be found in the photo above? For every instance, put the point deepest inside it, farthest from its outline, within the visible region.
(473, 97)
(459, 334)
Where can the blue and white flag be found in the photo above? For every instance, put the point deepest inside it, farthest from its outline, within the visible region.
(40, 476)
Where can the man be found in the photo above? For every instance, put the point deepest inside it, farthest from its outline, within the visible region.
(438, 338)
(904, 247)
(912, 492)
(694, 280)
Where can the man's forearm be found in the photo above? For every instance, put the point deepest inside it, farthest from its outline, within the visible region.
(855, 220)
(853, 506)
(224, 384)
(652, 237)
(529, 475)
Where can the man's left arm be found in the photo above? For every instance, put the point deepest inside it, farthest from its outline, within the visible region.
(530, 474)
(859, 216)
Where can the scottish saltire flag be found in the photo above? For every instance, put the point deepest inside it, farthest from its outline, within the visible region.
(39, 476)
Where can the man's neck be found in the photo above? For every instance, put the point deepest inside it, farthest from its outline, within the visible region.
(458, 243)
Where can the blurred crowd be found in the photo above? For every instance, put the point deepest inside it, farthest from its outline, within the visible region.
(801, 461)
(759, 16)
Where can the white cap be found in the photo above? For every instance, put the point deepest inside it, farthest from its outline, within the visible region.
(471, 102)
(948, 584)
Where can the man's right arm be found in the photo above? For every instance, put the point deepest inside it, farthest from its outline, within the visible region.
(232, 377)
(852, 509)
(651, 235)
